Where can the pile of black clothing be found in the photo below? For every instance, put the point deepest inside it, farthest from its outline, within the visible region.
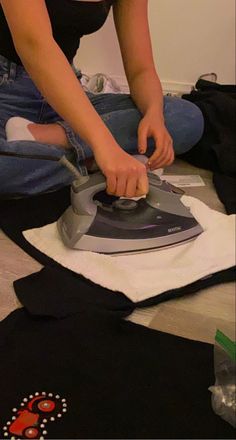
(216, 150)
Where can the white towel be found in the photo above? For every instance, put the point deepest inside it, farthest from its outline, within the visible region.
(145, 275)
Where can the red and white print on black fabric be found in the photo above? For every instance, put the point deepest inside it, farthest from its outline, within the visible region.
(29, 421)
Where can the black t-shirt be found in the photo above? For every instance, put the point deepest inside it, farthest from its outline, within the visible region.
(86, 373)
(70, 20)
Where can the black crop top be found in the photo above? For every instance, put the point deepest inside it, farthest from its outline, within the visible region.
(70, 20)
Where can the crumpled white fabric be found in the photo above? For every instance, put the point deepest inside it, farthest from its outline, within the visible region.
(100, 83)
(145, 275)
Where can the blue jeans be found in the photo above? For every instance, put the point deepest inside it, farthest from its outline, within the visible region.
(20, 97)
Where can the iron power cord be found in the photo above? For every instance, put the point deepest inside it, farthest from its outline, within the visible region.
(63, 160)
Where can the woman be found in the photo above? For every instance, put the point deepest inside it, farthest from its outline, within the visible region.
(38, 41)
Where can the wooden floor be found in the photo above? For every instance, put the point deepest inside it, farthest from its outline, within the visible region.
(195, 316)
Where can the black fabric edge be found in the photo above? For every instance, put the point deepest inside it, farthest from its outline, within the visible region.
(120, 304)
(224, 276)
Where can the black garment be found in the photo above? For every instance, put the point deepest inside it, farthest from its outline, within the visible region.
(70, 20)
(54, 279)
(18, 215)
(120, 380)
(216, 151)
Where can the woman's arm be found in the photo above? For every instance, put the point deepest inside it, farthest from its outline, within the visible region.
(131, 21)
(31, 31)
(43, 59)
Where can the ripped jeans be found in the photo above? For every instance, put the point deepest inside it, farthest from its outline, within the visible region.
(20, 97)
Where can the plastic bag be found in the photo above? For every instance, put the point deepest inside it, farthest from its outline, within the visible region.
(224, 390)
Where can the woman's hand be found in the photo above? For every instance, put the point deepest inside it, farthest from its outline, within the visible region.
(150, 127)
(125, 175)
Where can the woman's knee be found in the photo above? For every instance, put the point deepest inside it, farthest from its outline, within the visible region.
(123, 124)
(185, 122)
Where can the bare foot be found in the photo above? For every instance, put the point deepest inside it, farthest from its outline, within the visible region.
(50, 134)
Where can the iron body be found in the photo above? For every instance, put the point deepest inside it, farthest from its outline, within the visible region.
(100, 223)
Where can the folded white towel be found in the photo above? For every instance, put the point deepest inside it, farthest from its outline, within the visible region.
(142, 276)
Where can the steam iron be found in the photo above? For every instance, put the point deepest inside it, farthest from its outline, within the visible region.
(100, 223)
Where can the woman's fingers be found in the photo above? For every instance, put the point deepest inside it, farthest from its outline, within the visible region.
(142, 139)
(142, 185)
(121, 183)
(111, 183)
(164, 161)
(158, 158)
(163, 156)
(131, 187)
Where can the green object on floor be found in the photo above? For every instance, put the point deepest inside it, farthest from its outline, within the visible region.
(226, 343)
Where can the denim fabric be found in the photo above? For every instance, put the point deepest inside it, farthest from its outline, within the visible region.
(20, 97)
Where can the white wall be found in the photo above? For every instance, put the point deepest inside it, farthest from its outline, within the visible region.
(190, 37)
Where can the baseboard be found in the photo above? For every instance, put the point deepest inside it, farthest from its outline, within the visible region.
(176, 88)
(173, 88)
